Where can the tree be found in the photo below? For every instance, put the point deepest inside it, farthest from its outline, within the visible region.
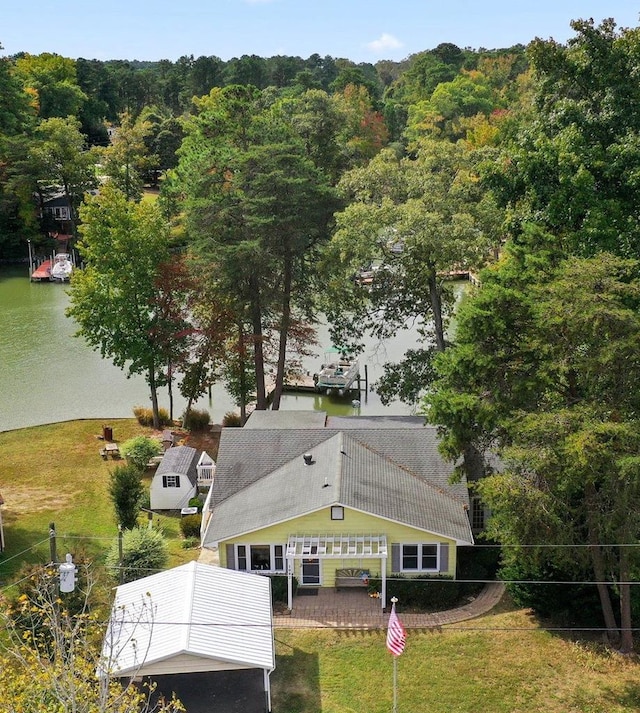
(317, 121)
(16, 197)
(15, 111)
(126, 160)
(53, 667)
(257, 207)
(426, 70)
(545, 371)
(144, 552)
(571, 167)
(53, 80)
(126, 491)
(59, 161)
(364, 132)
(113, 299)
(467, 95)
(412, 221)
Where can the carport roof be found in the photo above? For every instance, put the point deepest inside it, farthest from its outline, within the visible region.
(196, 612)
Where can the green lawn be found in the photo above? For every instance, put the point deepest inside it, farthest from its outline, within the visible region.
(54, 473)
(500, 663)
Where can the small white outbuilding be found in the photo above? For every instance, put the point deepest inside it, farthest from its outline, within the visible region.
(188, 624)
(175, 481)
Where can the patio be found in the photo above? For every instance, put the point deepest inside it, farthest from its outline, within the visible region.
(355, 609)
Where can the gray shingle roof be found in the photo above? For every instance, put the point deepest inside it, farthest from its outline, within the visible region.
(286, 419)
(397, 474)
(181, 460)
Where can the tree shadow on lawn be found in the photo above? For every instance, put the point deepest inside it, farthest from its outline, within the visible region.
(296, 682)
(629, 698)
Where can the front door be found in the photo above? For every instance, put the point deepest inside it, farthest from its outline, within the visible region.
(310, 572)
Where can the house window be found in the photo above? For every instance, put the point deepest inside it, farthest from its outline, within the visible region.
(260, 558)
(422, 557)
(59, 213)
(242, 557)
(477, 514)
(337, 512)
(170, 481)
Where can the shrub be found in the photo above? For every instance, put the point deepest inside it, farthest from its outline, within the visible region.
(126, 490)
(145, 416)
(231, 420)
(190, 543)
(144, 552)
(190, 525)
(195, 503)
(196, 420)
(566, 604)
(279, 588)
(140, 450)
(424, 593)
(476, 565)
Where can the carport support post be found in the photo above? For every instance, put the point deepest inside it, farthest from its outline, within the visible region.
(289, 584)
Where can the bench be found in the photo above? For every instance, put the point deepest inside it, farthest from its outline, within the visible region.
(352, 577)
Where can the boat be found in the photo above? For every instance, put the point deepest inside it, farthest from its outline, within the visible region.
(61, 268)
(338, 373)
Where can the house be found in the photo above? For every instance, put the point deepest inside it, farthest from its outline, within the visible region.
(204, 633)
(56, 214)
(175, 481)
(313, 502)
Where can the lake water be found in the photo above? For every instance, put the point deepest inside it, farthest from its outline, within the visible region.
(48, 375)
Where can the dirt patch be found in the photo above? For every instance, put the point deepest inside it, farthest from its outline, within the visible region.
(202, 440)
(32, 499)
(205, 441)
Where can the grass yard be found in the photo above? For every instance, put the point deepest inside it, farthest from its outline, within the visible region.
(55, 473)
(500, 663)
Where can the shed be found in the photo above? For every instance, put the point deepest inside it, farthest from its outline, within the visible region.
(203, 632)
(175, 481)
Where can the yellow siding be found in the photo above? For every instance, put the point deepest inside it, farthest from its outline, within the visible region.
(354, 523)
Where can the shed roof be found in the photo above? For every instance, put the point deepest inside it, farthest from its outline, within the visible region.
(209, 617)
(181, 460)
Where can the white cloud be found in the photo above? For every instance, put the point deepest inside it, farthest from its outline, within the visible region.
(385, 42)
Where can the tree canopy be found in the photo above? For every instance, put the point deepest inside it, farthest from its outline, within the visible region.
(114, 299)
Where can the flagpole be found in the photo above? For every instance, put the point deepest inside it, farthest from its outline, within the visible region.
(396, 637)
(395, 670)
(395, 684)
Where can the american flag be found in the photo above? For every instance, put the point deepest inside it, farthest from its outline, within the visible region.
(396, 635)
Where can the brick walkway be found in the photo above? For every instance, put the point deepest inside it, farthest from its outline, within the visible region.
(353, 609)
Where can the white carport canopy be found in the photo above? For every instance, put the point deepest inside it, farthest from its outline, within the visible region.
(336, 547)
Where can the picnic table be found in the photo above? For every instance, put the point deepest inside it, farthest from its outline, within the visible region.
(110, 449)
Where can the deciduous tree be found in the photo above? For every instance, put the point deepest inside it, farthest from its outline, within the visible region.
(114, 299)
(409, 223)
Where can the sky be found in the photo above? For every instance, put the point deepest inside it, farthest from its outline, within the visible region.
(359, 30)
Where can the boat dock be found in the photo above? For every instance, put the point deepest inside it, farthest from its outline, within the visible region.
(42, 272)
(305, 383)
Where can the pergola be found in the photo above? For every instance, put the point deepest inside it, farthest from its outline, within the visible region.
(336, 547)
